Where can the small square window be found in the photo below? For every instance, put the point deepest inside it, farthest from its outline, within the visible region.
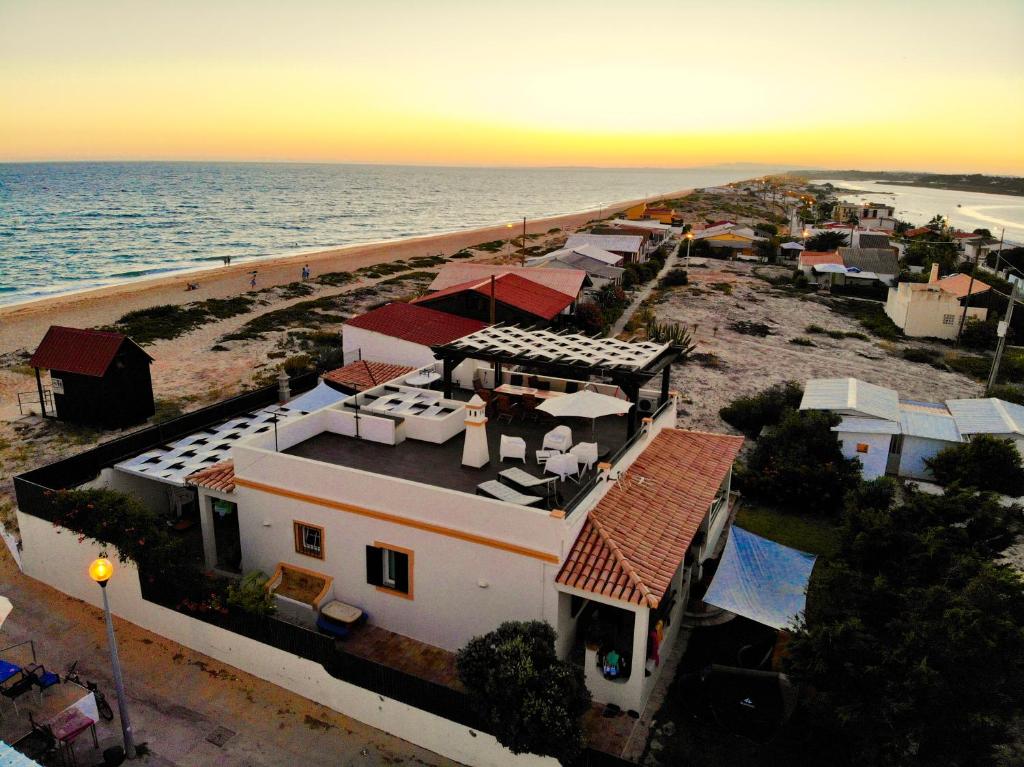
(309, 540)
(948, 319)
(862, 447)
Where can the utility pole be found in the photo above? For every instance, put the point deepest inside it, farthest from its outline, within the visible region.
(967, 298)
(1004, 329)
(522, 255)
(999, 253)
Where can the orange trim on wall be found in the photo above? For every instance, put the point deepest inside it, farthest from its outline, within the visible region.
(412, 558)
(394, 518)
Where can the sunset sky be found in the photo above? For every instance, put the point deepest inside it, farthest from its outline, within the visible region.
(882, 85)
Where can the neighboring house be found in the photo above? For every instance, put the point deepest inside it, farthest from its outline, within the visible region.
(725, 235)
(658, 213)
(96, 378)
(881, 261)
(402, 333)
(871, 240)
(569, 282)
(919, 231)
(659, 231)
(808, 259)
(364, 374)
(934, 309)
(511, 298)
(896, 437)
(870, 215)
(590, 251)
(629, 246)
(597, 267)
(648, 244)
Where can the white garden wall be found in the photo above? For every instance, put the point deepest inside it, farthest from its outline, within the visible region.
(54, 555)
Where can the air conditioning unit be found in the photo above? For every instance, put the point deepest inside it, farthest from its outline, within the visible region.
(647, 405)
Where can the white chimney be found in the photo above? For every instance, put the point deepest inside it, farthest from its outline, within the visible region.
(474, 451)
(934, 276)
(284, 392)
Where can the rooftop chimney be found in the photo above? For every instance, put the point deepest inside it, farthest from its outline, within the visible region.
(934, 276)
(283, 389)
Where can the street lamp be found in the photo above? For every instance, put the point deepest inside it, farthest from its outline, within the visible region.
(101, 571)
(689, 242)
(508, 249)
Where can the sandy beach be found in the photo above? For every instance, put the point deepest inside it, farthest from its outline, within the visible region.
(23, 325)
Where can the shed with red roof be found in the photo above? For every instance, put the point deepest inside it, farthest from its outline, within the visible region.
(516, 300)
(97, 378)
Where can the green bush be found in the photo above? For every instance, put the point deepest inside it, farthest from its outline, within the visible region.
(814, 329)
(531, 700)
(1008, 393)
(801, 341)
(920, 354)
(799, 466)
(250, 594)
(589, 318)
(979, 335)
(766, 408)
(674, 278)
(970, 365)
(986, 463)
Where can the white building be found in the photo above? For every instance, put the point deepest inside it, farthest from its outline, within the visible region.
(890, 436)
(934, 309)
(629, 246)
(870, 215)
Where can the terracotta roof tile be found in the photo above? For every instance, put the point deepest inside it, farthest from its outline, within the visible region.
(819, 257)
(365, 374)
(220, 476)
(76, 350)
(636, 537)
(416, 324)
(957, 284)
(563, 280)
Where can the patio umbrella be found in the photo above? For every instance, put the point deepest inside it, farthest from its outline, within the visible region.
(5, 609)
(585, 404)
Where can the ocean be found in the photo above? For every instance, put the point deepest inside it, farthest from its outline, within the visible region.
(70, 226)
(965, 210)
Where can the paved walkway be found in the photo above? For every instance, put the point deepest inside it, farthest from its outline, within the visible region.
(179, 697)
(642, 294)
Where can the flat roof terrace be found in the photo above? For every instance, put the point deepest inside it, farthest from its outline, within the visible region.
(441, 465)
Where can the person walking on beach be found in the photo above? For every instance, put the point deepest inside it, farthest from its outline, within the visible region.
(305, 272)
(252, 281)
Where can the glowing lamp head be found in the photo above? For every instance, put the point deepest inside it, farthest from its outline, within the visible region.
(689, 235)
(101, 570)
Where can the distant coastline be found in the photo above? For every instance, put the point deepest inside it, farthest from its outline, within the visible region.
(961, 182)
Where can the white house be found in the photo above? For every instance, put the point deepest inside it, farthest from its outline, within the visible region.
(893, 436)
(629, 246)
(870, 215)
(403, 333)
(934, 309)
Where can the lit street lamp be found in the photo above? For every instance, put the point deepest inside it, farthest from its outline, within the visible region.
(101, 571)
(689, 242)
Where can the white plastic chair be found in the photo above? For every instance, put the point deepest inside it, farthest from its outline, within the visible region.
(586, 452)
(564, 465)
(512, 447)
(559, 438)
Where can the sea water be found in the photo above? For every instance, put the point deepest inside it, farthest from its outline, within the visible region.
(70, 226)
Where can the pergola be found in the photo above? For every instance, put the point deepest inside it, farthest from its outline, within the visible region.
(628, 364)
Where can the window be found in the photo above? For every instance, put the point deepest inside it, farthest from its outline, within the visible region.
(309, 540)
(862, 447)
(389, 568)
(948, 319)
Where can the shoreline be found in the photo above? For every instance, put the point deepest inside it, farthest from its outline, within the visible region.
(22, 324)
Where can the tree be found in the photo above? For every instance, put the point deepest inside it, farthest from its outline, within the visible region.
(979, 334)
(826, 241)
(768, 228)
(798, 465)
(926, 252)
(590, 318)
(912, 643)
(768, 249)
(986, 463)
(983, 232)
(825, 208)
(531, 701)
(766, 408)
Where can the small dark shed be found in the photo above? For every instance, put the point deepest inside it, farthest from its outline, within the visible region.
(97, 378)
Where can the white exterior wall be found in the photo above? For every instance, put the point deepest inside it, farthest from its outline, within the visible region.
(381, 348)
(54, 555)
(872, 462)
(921, 313)
(915, 450)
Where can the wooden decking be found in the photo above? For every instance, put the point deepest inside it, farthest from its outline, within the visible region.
(404, 654)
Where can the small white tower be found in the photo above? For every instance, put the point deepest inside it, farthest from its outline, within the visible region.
(474, 451)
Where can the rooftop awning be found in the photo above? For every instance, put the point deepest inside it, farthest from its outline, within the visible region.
(761, 580)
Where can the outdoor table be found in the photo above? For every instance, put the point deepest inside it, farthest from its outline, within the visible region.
(7, 670)
(519, 391)
(341, 612)
(423, 379)
(67, 726)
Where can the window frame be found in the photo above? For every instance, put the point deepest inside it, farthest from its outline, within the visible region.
(389, 579)
(299, 530)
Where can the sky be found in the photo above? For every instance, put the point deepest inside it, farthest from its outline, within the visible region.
(809, 83)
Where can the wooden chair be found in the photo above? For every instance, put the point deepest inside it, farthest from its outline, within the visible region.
(505, 408)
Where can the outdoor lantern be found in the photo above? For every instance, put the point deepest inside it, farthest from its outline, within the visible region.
(100, 570)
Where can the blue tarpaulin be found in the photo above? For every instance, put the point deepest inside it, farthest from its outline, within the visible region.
(761, 580)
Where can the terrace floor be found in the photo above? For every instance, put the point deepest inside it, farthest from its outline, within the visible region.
(441, 465)
(404, 654)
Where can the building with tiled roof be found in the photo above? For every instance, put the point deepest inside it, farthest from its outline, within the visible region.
(571, 283)
(365, 374)
(935, 309)
(219, 477)
(96, 377)
(402, 333)
(516, 299)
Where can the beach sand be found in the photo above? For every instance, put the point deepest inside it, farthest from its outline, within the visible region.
(23, 325)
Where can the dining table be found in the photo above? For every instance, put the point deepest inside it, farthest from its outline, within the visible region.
(518, 391)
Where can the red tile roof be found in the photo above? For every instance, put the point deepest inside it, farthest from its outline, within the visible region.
(967, 236)
(511, 290)
(636, 537)
(416, 324)
(220, 476)
(957, 284)
(918, 231)
(365, 374)
(818, 257)
(74, 350)
(568, 281)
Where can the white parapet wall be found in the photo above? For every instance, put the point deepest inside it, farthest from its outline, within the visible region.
(55, 556)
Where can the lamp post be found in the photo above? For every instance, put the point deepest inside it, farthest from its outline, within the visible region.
(689, 242)
(101, 571)
(508, 249)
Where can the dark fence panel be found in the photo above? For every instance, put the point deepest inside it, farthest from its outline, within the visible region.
(73, 471)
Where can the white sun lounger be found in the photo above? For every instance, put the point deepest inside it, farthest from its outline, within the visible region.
(494, 489)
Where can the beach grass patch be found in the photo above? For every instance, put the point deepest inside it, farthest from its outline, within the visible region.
(168, 321)
(462, 254)
(801, 341)
(304, 314)
(490, 247)
(398, 279)
(871, 316)
(722, 287)
(336, 279)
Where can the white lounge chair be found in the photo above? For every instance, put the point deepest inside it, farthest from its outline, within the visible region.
(564, 465)
(512, 447)
(559, 438)
(494, 489)
(586, 453)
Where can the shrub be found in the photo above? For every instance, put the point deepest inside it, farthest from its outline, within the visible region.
(1009, 393)
(751, 414)
(670, 332)
(590, 318)
(986, 463)
(799, 466)
(920, 354)
(674, 278)
(969, 365)
(251, 595)
(801, 341)
(814, 329)
(531, 701)
(979, 335)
